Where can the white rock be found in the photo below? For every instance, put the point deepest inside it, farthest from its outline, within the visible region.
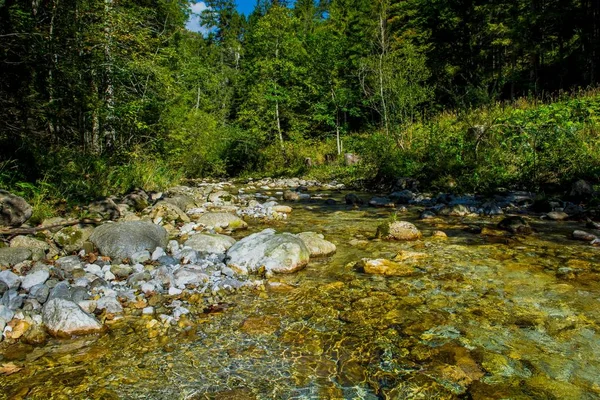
(93, 269)
(173, 291)
(109, 276)
(11, 279)
(148, 311)
(64, 318)
(147, 288)
(35, 278)
(158, 253)
(110, 304)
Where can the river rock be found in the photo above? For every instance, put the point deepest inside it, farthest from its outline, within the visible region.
(188, 276)
(72, 238)
(402, 197)
(221, 197)
(183, 202)
(557, 215)
(138, 199)
(63, 318)
(210, 243)
(353, 199)
(14, 255)
(288, 195)
(585, 236)
(69, 263)
(384, 267)
(168, 212)
(381, 202)
(515, 224)
(110, 304)
(581, 191)
(34, 278)
(278, 253)
(11, 279)
(398, 230)
(222, 220)
(14, 210)
(457, 210)
(106, 209)
(316, 244)
(29, 243)
(123, 239)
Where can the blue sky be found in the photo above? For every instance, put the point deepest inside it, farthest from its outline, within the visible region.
(193, 24)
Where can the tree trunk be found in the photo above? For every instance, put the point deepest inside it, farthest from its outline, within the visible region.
(109, 90)
(382, 54)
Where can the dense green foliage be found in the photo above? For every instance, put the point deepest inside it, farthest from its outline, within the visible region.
(100, 96)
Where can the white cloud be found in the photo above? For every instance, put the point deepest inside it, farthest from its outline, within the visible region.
(193, 23)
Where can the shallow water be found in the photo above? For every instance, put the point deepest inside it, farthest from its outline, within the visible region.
(513, 317)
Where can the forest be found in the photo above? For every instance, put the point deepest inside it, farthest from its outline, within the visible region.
(100, 96)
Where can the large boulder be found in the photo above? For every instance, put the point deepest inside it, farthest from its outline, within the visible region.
(14, 210)
(353, 199)
(210, 243)
(381, 202)
(456, 210)
(221, 196)
(64, 318)
(581, 191)
(277, 253)
(316, 244)
(398, 230)
(123, 239)
(14, 255)
(37, 247)
(184, 202)
(402, 197)
(222, 220)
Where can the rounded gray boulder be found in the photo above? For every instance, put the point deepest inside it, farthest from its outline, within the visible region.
(123, 239)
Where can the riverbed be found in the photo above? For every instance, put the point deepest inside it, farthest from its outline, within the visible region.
(485, 317)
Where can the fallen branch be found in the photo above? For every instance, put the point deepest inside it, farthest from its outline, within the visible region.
(30, 231)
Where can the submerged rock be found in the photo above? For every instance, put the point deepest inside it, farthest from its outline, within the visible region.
(14, 210)
(210, 243)
(63, 318)
(278, 253)
(398, 230)
(353, 199)
(515, 224)
(123, 239)
(381, 202)
(385, 267)
(222, 220)
(316, 244)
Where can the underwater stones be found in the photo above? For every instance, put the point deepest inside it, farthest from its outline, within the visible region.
(210, 243)
(123, 239)
(398, 230)
(63, 318)
(516, 225)
(385, 267)
(222, 220)
(277, 253)
(261, 325)
(14, 210)
(316, 244)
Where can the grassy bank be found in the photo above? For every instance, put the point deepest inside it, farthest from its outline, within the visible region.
(528, 144)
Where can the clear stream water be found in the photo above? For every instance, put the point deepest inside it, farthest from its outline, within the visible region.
(504, 318)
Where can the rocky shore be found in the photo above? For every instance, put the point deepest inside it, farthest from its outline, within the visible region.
(160, 255)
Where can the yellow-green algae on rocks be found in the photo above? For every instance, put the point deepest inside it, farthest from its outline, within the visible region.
(479, 318)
